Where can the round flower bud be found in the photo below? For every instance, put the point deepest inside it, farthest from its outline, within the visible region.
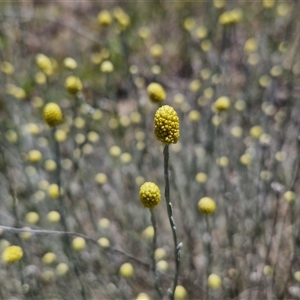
(214, 281)
(104, 17)
(53, 216)
(166, 125)
(104, 242)
(180, 292)
(107, 66)
(101, 178)
(126, 270)
(156, 92)
(34, 156)
(7, 68)
(62, 269)
(156, 50)
(222, 104)
(289, 196)
(256, 131)
(70, 63)
(12, 254)
(160, 253)
(78, 243)
(53, 191)
(206, 205)
(49, 258)
(148, 232)
(73, 84)
(162, 265)
(142, 296)
(52, 114)
(149, 194)
(32, 217)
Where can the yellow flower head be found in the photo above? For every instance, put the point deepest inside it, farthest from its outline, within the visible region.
(107, 66)
(166, 125)
(34, 156)
(70, 63)
(52, 114)
(12, 254)
(53, 216)
(53, 191)
(214, 281)
(126, 270)
(156, 50)
(73, 84)
(43, 61)
(149, 194)
(49, 258)
(104, 17)
(207, 205)
(78, 243)
(156, 92)
(289, 196)
(222, 104)
(180, 292)
(7, 68)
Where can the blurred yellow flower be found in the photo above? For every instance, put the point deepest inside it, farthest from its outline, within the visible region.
(78, 243)
(156, 92)
(12, 254)
(207, 205)
(104, 17)
(214, 281)
(126, 270)
(70, 63)
(73, 84)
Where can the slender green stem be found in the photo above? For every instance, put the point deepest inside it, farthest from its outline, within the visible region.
(154, 246)
(177, 246)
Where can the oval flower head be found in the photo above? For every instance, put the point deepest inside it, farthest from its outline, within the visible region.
(156, 92)
(52, 114)
(166, 125)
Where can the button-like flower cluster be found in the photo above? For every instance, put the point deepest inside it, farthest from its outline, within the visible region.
(52, 114)
(73, 84)
(207, 205)
(156, 92)
(149, 194)
(12, 254)
(166, 125)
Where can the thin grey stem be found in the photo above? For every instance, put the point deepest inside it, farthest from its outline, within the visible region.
(154, 246)
(177, 246)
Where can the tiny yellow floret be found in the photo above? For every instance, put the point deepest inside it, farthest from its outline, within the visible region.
(207, 205)
(52, 114)
(149, 194)
(166, 125)
(12, 254)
